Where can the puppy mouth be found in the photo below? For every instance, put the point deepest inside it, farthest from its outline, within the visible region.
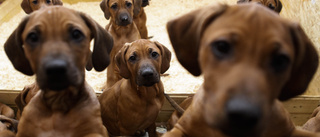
(124, 20)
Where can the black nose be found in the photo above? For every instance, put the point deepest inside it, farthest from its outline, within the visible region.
(56, 68)
(147, 73)
(124, 18)
(242, 114)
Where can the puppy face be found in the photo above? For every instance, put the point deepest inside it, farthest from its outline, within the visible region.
(143, 61)
(58, 54)
(31, 5)
(274, 5)
(246, 65)
(121, 11)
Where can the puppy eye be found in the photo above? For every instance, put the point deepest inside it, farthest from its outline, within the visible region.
(77, 35)
(221, 49)
(48, 1)
(33, 38)
(35, 2)
(114, 6)
(280, 62)
(154, 55)
(132, 58)
(128, 4)
(271, 7)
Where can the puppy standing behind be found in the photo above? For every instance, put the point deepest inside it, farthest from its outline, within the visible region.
(140, 18)
(250, 58)
(274, 5)
(122, 28)
(32, 5)
(65, 105)
(131, 106)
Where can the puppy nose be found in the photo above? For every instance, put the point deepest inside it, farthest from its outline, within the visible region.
(56, 68)
(147, 73)
(242, 114)
(124, 18)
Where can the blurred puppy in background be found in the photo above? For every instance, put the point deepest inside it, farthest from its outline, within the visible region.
(274, 5)
(31, 5)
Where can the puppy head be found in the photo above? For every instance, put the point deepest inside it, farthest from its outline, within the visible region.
(31, 5)
(120, 11)
(249, 57)
(8, 124)
(143, 61)
(274, 5)
(58, 55)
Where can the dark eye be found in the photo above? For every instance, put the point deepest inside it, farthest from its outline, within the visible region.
(48, 1)
(33, 38)
(221, 49)
(77, 35)
(154, 55)
(132, 58)
(114, 6)
(271, 6)
(128, 4)
(35, 2)
(280, 62)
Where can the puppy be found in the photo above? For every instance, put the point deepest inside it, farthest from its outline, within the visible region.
(250, 58)
(31, 5)
(131, 106)
(65, 105)
(274, 5)
(313, 124)
(122, 28)
(8, 125)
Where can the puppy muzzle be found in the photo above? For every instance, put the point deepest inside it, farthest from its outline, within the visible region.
(147, 76)
(124, 19)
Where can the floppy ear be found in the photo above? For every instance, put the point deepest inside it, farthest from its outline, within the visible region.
(105, 8)
(57, 2)
(243, 1)
(26, 6)
(137, 7)
(15, 52)
(279, 6)
(145, 3)
(121, 61)
(103, 43)
(185, 33)
(166, 57)
(305, 64)
(21, 98)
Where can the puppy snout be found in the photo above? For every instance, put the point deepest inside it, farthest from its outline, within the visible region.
(147, 76)
(124, 19)
(56, 74)
(242, 114)
(147, 73)
(56, 68)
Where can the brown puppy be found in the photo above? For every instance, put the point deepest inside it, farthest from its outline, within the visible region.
(136, 100)
(25, 96)
(274, 5)
(6, 111)
(175, 116)
(65, 105)
(31, 5)
(140, 18)
(313, 124)
(245, 71)
(122, 28)
(8, 126)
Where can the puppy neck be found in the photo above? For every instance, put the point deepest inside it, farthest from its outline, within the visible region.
(122, 30)
(143, 91)
(63, 100)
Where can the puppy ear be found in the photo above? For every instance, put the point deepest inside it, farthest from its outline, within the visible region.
(104, 5)
(21, 98)
(57, 2)
(137, 7)
(103, 43)
(145, 3)
(279, 6)
(305, 64)
(26, 6)
(121, 61)
(185, 33)
(166, 57)
(15, 52)
(89, 65)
